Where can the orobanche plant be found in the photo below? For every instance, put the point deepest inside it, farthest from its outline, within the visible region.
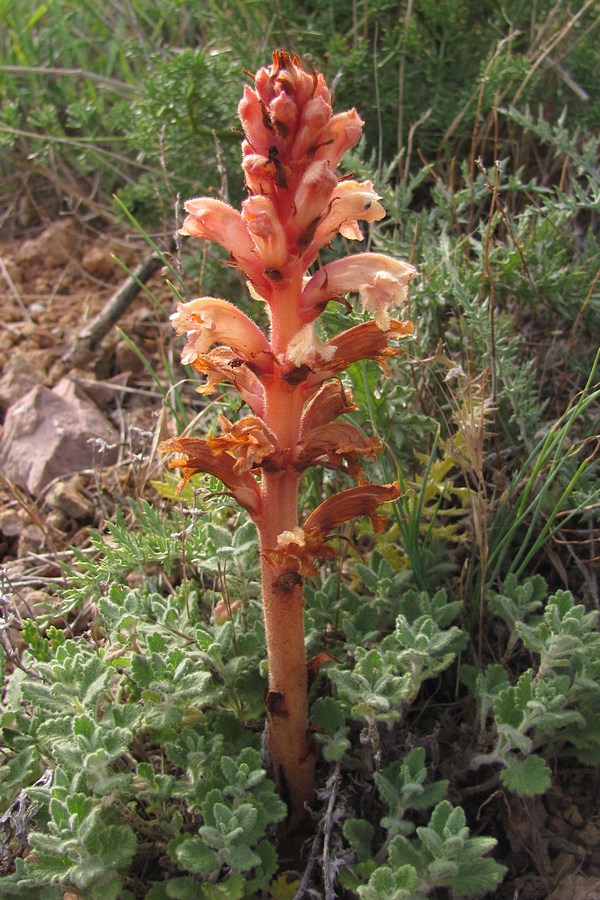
(290, 378)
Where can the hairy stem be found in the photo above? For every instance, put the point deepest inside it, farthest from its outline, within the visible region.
(292, 757)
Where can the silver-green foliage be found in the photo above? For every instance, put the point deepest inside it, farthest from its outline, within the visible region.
(144, 733)
(550, 707)
(415, 860)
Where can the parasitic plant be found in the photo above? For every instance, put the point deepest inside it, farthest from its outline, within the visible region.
(290, 378)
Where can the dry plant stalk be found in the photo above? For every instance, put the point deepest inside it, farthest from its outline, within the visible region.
(289, 379)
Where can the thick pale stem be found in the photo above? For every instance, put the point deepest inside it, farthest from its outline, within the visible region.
(292, 757)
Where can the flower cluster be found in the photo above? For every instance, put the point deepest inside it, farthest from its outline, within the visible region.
(297, 204)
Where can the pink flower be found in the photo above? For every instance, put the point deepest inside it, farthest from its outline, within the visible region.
(208, 321)
(341, 134)
(262, 221)
(216, 221)
(381, 282)
(349, 202)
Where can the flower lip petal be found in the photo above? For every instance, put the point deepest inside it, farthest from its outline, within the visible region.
(381, 282)
(208, 321)
(362, 500)
(217, 221)
(267, 232)
(305, 348)
(365, 341)
(222, 364)
(248, 440)
(341, 134)
(350, 201)
(331, 400)
(311, 198)
(298, 549)
(257, 127)
(337, 445)
(199, 457)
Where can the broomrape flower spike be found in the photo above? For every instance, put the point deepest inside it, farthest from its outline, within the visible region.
(289, 377)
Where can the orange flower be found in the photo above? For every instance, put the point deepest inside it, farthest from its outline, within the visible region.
(248, 440)
(336, 446)
(357, 501)
(200, 457)
(331, 400)
(222, 364)
(366, 341)
(298, 549)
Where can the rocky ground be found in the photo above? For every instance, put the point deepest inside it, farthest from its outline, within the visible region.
(77, 433)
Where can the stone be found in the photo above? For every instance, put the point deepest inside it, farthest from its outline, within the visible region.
(65, 496)
(102, 260)
(21, 373)
(31, 540)
(11, 522)
(55, 246)
(573, 816)
(577, 887)
(589, 836)
(98, 261)
(50, 433)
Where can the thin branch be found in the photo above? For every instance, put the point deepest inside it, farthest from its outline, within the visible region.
(104, 80)
(114, 309)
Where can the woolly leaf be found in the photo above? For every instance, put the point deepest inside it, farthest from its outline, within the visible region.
(476, 877)
(395, 884)
(241, 857)
(528, 777)
(359, 834)
(195, 856)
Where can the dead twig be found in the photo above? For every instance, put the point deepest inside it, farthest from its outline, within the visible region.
(114, 309)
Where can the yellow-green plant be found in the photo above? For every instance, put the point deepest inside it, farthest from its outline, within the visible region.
(289, 378)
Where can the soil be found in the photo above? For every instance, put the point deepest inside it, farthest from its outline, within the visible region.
(55, 280)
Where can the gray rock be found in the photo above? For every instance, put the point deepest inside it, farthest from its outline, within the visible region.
(51, 433)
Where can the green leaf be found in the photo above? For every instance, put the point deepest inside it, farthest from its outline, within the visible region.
(242, 858)
(195, 856)
(328, 713)
(528, 777)
(476, 877)
(359, 834)
(391, 884)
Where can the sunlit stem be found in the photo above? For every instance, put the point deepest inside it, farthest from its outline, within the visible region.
(292, 757)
